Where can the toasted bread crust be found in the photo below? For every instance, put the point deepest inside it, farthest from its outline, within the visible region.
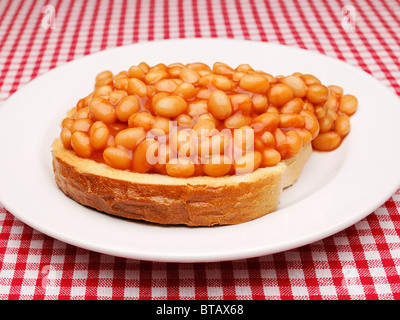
(197, 201)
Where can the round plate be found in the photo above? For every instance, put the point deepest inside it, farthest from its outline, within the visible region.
(334, 191)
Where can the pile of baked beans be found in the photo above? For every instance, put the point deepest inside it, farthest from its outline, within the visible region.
(192, 120)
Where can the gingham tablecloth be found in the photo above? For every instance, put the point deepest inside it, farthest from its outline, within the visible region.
(360, 262)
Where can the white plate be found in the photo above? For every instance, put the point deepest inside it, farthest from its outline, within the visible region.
(334, 191)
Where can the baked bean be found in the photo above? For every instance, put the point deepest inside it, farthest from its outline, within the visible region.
(216, 144)
(166, 85)
(326, 141)
(67, 123)
(280, 94)
(294, 143)
(121, 83)
(241, 102)
(175, 71)
(317, 93)
(183, 139)
(266, 121)
(151, 90)
(163, 154)
(185, 90)
(141, 119)
(104, 75)
(176, 64)
(281, 143)
(348, 104)
(99, 137)
(218, 81)
(219, 142)
(159, 66)
(155, 75)
(217, 166)
(243, 138)
(209, 116)
(221, 82)
(220, 105)
(82, 125)
(222, 69)
(273, 109)
(258, 144)
(268, 139)
(332, 103)
(116, 96)
(309, 79)
(137, 87)
(145, 156)
(248, 163)
(188, 150)
(293, 106)
(117, 158)
(102, 110)
(342, 125)
(254, 83)
(198, 66)
(180, 167)
(189, 75)
(297, 84)
(325, 124)
(332, 114)
(65, 136)
(204, 93)
(204, 148)
(156, 97)
(336, 91)
(161, 123)
(320, 112)
(197, 108)
(308, 106)
(130, 138)
(136, 72)
(310, 122)
(96, 125)
(104, 82)
(237, 120)
(203, 73)
(204, 127)
(120, 75)
(103, 91)
(80, 104)
(171, 106)
(271, 78)
(270, 157)
(83, 113)
(236, 76)
(291, 120)
(184, 120)
(88, 98)
(126, 107)
(304, 134)
(244, 67)
(144, 66)
(260, 103)
(80, 143)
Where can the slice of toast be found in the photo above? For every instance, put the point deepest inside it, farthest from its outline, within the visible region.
(162, 199)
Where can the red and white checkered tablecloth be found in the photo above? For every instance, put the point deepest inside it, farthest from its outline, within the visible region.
(360, 262)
